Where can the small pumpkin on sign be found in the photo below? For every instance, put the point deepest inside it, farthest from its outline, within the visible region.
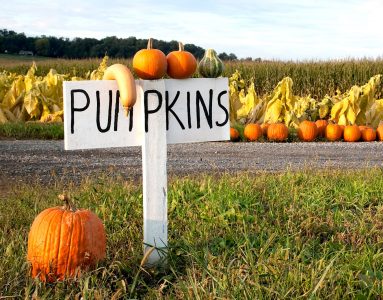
(64, 241)
(150, 63)
(210, 66)
(181, 64)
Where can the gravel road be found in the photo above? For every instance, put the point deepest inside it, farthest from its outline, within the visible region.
(44, 161)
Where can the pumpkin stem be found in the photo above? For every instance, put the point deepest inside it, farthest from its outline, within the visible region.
(68, 204)
(180, 46)
(150, 44)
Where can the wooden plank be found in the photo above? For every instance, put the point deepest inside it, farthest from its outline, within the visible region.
(154, 154)
(197, 110)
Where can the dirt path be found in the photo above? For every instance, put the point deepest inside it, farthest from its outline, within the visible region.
(44, 161)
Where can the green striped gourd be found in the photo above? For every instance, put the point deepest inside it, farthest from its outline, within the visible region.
(210, 65)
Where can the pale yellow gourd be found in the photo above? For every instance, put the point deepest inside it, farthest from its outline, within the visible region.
(125, 82)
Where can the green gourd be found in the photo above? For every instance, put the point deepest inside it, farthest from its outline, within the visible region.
(210, 65)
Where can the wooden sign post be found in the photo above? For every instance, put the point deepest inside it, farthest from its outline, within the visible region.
(166, 111)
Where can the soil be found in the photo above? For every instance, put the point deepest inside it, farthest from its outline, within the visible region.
(46, 161)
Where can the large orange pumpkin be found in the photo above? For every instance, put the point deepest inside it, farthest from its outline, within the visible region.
(252, 132)
(321, 125)
(181, 64)
(150, 63)
(333, 132)
(63, 241)
(351, 133)
(307, 131)
(277, 132)
(369, 134)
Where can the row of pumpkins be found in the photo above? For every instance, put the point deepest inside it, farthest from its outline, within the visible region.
(308, 131)
(64, 241)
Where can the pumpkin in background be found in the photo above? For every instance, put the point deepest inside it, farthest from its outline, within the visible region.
(321, 125)
(369, 134)
(264, 127)
(307, 131)
(351, 133)
(150, 63)
(379, 132)
(277, 132)
(252, 132)
(234, 134)
(65, 240)
(363, 127)
(210, 65)
(333, 132)
(181, 64)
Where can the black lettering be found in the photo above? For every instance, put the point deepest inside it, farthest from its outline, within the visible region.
(188, 109)
(224, 109)
(208, 113)
(146, 106)
(169, 109)
(116, 110)
(131, 110)
(98, 112)
(73, 109)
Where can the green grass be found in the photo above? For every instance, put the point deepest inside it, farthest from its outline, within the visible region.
(271, 236)
(32, 130)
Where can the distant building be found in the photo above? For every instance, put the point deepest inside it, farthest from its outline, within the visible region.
(23, 52)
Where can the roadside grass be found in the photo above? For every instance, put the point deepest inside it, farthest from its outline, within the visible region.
(310, 235)
(32, 130)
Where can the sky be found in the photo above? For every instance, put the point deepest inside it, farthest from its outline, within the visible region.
(269, 29)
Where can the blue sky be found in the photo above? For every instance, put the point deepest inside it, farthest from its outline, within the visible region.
(270, 29)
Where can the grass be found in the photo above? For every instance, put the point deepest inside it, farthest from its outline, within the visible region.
(271, 236)
(32, 130)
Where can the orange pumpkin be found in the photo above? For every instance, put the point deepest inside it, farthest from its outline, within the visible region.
(63, 241)
(277, 132)
(333, 132)
(307, 131)
(321, 125)
(369, 134)
(351, 133)
(181, 64)
(252, 132)
(363, 127)
(379, 132)
(150, 63)
(234, 134)
(264, 127)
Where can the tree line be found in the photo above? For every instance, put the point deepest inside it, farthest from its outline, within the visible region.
(18, 43)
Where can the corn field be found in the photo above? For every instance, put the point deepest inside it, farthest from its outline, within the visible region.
(345, 91)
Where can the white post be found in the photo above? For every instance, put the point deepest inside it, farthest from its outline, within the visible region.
(154, 152)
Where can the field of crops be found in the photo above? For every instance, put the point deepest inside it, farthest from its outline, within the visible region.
(344, 91)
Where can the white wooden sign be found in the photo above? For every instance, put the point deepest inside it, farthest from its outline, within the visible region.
(166, 111)
(196, 110)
